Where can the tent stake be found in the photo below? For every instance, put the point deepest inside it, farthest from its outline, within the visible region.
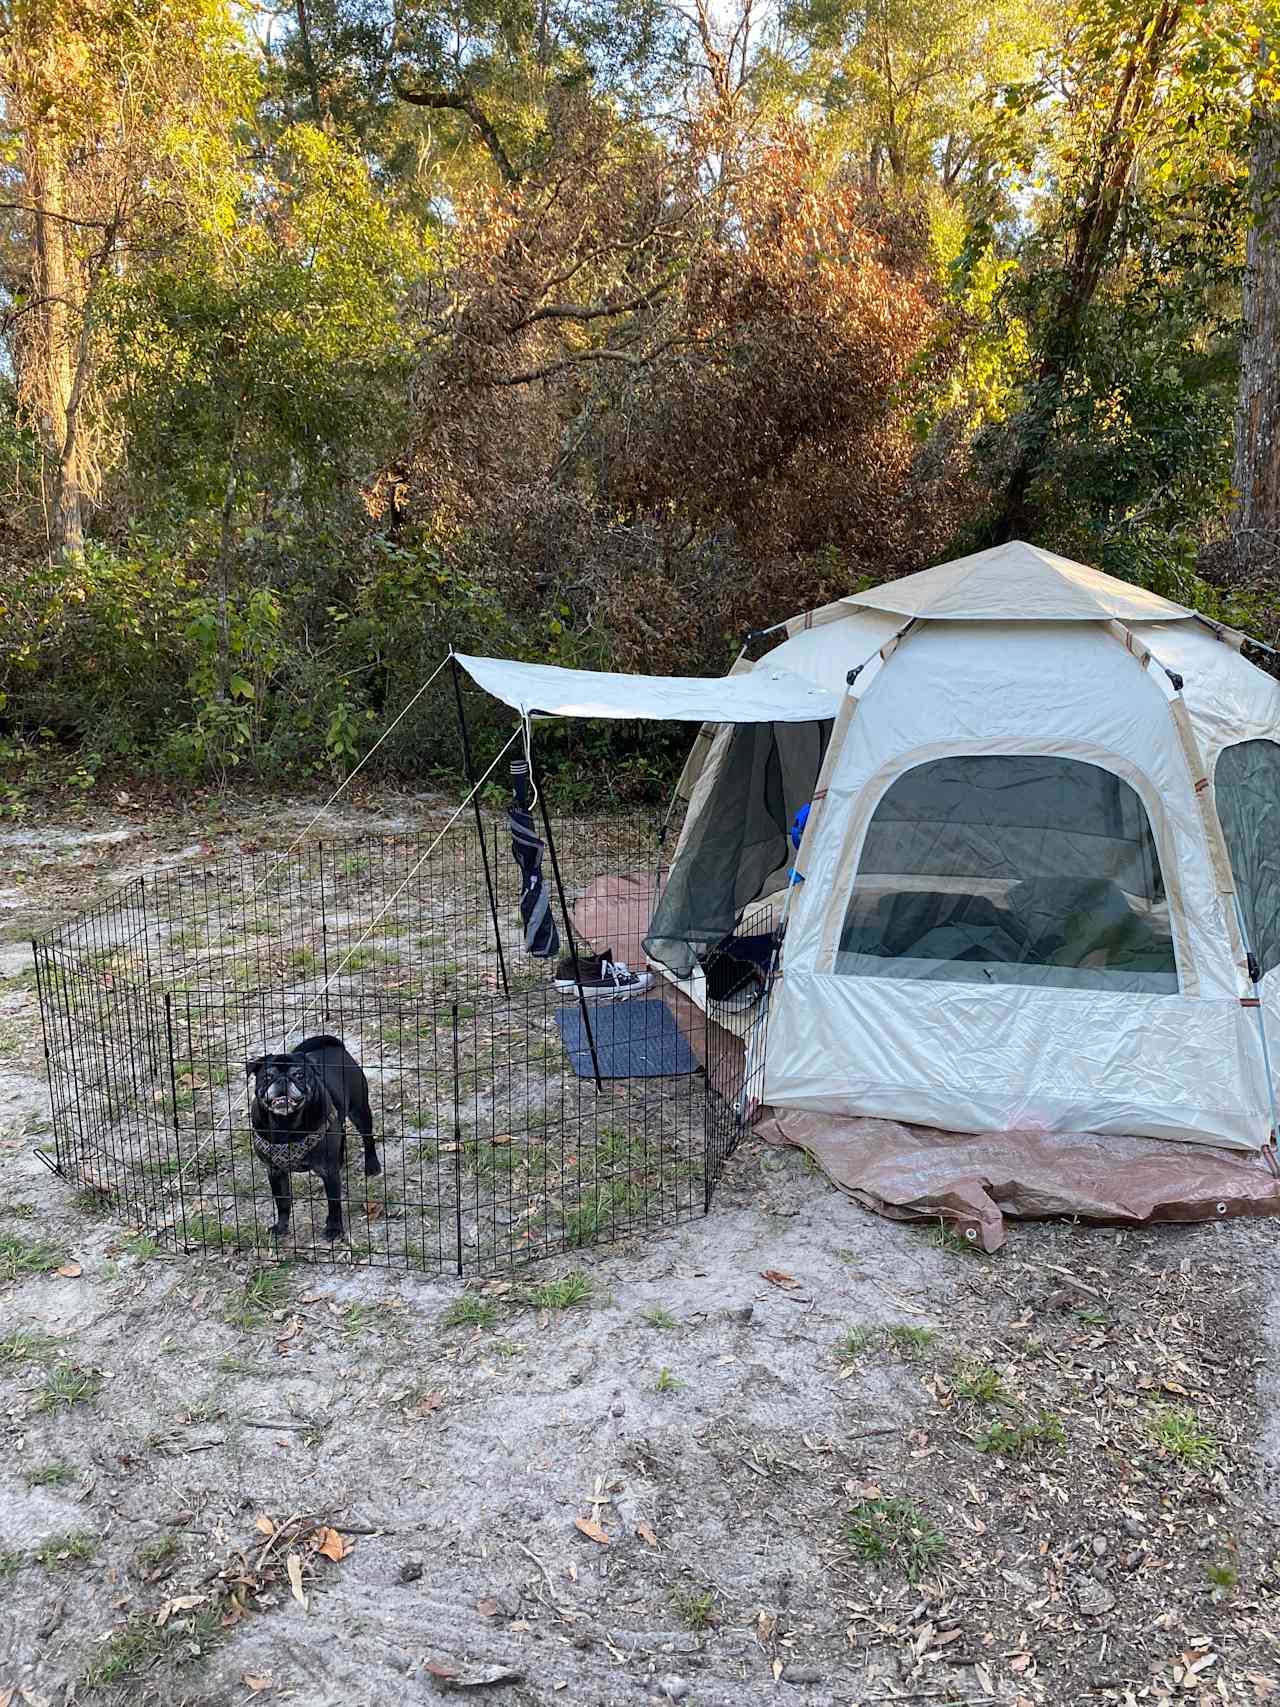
(475, 802)
(570, 939)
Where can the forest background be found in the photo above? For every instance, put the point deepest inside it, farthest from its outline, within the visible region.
(598, 332)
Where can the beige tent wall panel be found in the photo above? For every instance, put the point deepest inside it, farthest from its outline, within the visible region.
(989, 1058)
(827, 653)
(1228, 699)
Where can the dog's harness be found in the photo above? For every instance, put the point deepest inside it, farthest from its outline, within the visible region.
(290, 1156)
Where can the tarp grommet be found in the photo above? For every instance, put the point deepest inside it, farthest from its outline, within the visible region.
(1221, 1208)
(971, 1233)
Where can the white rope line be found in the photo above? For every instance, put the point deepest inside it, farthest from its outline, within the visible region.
(414, 870)
(307, 828)
(225, 1123)
(198, 965)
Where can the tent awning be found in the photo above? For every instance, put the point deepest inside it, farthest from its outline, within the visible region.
(761, 695)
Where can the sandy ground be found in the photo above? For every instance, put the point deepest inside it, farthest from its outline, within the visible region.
(787, 1451)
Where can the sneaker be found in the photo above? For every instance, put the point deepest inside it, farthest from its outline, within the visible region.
(742, 997)
(601, 975)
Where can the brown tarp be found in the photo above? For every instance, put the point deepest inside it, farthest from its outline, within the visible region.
(974, 1182)
(912, 1173)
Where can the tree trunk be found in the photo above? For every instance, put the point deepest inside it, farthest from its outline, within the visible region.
(52, 385)
(318, 113)
(1089, 245)
(226, 564)
(1256, 523)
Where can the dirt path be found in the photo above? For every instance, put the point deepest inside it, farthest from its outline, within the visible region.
(790, 1451)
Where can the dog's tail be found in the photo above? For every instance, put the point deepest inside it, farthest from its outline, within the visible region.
(322, 1040)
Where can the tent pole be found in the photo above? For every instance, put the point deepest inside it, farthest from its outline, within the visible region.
(1255, 976)
(1222, 629)
(571, 939)
(475, 802)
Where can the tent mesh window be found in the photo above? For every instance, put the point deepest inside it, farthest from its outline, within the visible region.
(1246, 788)
(497, 1144)
(737, 848)
(1010, 868)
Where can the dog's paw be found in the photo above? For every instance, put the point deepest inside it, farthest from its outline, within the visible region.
(279, 1230)
(332, 1234)
(371, 1165)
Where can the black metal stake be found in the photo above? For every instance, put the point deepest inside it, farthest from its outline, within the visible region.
(475, 802)
(570, 939)
(54, 1100)
(457, 1142)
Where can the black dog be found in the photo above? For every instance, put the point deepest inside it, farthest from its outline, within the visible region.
(298, 1113)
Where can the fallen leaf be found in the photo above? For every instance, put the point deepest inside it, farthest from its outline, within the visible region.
(438, 1668)
(264, 1525)
(482, 1675)
(983, 1676)
(372, 1208)
(70, 1270)
(777, 1670)
(646, 1535)
(1020, 1662)
(256, 1684)
(488, 1607)
(332, 1545)
(766, 1627)
(776, 1277)
(294, 1566)
(592, 1531)
(6, 1696)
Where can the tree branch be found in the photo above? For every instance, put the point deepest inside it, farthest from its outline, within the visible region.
(550, 368)
(462, 101)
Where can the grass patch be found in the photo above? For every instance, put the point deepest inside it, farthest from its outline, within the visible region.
(55, 1474)
(157, 1553)
(10, 1565)
(28, 1256)
(1011, 1440)
(567, 1293)
(667, 1382)
(854, 1344)
(910, 1343)
(69, 1384)
(264, 1292)
(1222, 1578)
(27, 1345)
(893, 1531)
(944, 1237)
(140, 1246)
(1092, 1316)
(1178, 1431)
(695, 1611)
(657, 1317)
(142, 1642)
(470, 1311)
(238, 1366)
(72, 1548)
(980, 1384)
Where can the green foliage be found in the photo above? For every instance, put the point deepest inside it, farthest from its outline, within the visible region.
(911, 1343)
(67, 1385)
(569, 1292)
(892, 1530)
(263, 1293)
(470, 1311)
(72, 1548)
(1178, 1431)
(1011, 1440)
(854, 1343)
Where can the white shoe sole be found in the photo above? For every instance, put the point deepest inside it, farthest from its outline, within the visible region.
(605, 992)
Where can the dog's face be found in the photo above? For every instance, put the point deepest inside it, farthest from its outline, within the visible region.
(283, 1084)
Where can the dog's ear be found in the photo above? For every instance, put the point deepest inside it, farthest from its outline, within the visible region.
(251, 1067)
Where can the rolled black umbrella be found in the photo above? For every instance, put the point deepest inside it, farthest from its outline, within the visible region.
(541, 938)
